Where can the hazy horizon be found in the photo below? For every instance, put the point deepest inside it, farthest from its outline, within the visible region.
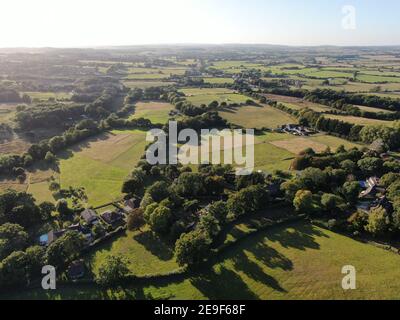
(105, 23)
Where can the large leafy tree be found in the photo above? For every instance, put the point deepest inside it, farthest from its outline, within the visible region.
(303, 201)
(13, 237)
(378, 221)
(112, 271)
(65, 248)
(192, 248)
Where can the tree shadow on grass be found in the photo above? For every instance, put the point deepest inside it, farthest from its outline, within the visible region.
(301, 237)
(155, 245)
(271, 257)
(224, 284)
(254, 271)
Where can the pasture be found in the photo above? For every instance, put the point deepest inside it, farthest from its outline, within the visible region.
(252, 117)
(359, 120)
(99, 164)
(206, 99)
(218, 80)
(146, 84)
(299, 261)
(44, 96)
(156, 112)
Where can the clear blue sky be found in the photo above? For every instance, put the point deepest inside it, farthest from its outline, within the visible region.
(68, 23)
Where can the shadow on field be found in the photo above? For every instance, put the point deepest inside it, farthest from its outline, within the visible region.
(155, 245)
(301, 237)
(224, 284)
(271, 257)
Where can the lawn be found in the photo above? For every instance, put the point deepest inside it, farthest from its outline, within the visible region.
(297, 262)
(145, 252)
(252, 117)
(156, 112)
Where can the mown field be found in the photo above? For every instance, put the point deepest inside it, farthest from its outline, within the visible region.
(207, 95)
(156, 112)
(359, 120)
(100, 165)
(252, 117)
(300, 261)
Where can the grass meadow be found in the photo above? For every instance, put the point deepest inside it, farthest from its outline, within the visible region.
(295, 262)
(156, 112)
(252, 117)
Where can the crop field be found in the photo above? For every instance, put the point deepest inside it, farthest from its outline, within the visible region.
(252, 117)
(156, 112)
(146, 84)
(296, 262)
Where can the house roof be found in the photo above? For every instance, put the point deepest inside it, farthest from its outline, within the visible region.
(111, 216)
(89, 215)
(130, 203)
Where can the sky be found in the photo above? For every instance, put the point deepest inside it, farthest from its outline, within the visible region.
(90, 23)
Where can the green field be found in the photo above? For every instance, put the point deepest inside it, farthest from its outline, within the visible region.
(156, 112)
(218, 80)
(145, 252)
(146, 84)
(43, 96)
(298, 262)
(100, 165)
(252, 117)
(225, 97)
(359, 120)
(7, 112)
(205, 91)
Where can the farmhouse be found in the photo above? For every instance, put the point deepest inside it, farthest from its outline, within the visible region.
(130, 205)
(296, 130)
(370, 186)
